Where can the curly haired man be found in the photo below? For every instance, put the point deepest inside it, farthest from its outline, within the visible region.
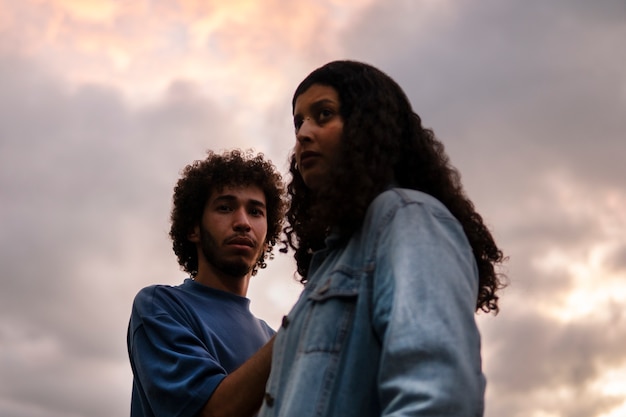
(196, 348)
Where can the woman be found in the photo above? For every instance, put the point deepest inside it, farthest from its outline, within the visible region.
(394, 258)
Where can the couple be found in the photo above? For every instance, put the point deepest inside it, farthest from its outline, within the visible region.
(394, 260)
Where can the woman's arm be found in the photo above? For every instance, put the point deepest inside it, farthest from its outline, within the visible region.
(424, 297)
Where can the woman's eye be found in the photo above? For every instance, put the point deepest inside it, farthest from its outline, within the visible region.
(297, 123)
(325, 114)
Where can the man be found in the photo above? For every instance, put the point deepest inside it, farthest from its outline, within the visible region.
(192, 346)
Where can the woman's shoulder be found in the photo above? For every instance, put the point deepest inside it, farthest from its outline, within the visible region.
(395, 198)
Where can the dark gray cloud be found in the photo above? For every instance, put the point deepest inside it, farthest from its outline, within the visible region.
(529, 98)
(572, 354)
(531, 354)
(503, 83)
(616, 259)
(84, 179)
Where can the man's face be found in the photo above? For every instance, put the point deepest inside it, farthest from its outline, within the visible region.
(233, 229)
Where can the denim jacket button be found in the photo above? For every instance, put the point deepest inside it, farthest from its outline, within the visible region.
(285, 322)
(324, 288)
(269, 400)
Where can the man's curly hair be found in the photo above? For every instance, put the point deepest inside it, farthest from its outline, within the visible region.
(202, 177)
(383, 142)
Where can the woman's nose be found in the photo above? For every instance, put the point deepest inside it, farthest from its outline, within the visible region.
(305, 131)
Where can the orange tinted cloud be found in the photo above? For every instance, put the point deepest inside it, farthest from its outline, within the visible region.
(141, 46)
(97, 11)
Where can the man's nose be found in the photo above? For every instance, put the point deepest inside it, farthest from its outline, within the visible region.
(241, 220)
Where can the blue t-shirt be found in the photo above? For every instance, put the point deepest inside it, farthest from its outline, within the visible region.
(182, 341)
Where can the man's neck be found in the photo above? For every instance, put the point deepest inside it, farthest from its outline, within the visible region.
(223, 282)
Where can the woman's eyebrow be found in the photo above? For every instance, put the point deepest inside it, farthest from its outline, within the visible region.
(315, 105)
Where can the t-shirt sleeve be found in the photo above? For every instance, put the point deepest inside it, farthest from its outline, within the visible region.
(176, 372)
(268, 330)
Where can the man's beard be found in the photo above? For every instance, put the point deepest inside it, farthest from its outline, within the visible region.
(210, 249)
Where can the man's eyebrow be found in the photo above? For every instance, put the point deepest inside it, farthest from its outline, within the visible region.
(230, 198)
(257, 203)
(225, 197)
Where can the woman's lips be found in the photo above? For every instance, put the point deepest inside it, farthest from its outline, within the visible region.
(308, 157)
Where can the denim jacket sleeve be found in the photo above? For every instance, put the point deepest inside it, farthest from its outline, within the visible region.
(423, 303)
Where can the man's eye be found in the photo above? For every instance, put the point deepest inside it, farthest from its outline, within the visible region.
(257, 212)
(223, 208)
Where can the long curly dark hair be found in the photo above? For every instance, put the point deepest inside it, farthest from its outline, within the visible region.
(202, 177)
(383, 142)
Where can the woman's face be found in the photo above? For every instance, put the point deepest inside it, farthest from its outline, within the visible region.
(319, 127)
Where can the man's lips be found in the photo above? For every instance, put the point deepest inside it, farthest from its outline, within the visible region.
(240, 241)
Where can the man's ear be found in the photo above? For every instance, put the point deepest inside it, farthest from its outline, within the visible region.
(194, 235)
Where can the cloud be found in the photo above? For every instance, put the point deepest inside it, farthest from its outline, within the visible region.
(545, 80)
(529, 101)
(540, 364)
(232, 49)
(102, 106)
(86, 182)
(617, 259)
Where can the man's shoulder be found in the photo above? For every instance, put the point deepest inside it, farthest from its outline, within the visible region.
(266, 327)
(153, 290)
(154, 295)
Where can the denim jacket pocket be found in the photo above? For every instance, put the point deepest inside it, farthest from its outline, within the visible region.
(331, 307)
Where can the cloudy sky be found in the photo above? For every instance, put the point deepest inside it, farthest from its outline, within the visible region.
(103, 102)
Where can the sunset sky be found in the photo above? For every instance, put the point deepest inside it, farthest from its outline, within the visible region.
(103, 102)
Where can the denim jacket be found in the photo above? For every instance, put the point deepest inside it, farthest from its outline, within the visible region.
(385, 325)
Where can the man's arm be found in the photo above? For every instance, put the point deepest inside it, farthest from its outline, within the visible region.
(240, 393)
